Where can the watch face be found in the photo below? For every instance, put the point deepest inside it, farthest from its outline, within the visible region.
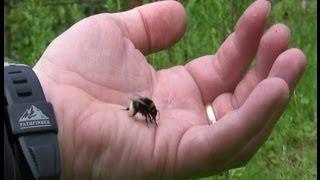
(13, 64)
(6, 64)
(9, 61)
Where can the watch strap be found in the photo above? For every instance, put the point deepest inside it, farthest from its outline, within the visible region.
(31, 122)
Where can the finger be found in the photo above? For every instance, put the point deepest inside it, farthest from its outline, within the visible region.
(219, 73)
(248, 151)
(154, 26)
(295, 61)
(272, 44)
(226, 137)
(289, 66)
(274, 41)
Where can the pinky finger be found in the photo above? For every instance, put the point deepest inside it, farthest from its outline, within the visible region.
(212, 147)
(289, 66)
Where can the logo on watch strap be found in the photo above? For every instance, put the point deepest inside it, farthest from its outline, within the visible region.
(33, 117)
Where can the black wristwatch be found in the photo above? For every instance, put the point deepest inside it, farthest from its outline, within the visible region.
(31, 124)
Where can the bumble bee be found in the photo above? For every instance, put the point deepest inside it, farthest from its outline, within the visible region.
(145, 107)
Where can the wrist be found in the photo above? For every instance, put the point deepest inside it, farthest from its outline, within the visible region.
(55, 95)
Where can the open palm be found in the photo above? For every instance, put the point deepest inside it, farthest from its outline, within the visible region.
(90, 72)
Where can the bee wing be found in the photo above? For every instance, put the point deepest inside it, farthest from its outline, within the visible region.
(135, 96)
(138, 99)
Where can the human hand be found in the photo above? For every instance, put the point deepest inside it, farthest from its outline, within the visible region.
(89, 72)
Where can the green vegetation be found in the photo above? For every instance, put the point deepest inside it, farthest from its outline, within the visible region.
(290, 152)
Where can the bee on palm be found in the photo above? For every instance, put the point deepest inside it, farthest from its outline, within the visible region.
(145, 106)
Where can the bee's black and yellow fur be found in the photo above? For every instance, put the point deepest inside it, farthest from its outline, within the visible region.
(145, 106)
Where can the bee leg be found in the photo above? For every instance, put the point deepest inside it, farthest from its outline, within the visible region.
(134, 113)
(149, 117)
(155, 122)
(152, 119)
(147, 120)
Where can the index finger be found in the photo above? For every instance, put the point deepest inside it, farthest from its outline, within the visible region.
(216, 74)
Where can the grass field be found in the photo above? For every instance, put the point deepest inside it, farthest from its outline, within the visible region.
(289, 153)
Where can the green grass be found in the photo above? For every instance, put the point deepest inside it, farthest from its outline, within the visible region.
(290, 152)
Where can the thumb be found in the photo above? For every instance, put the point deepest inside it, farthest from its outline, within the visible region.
(154, 26)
